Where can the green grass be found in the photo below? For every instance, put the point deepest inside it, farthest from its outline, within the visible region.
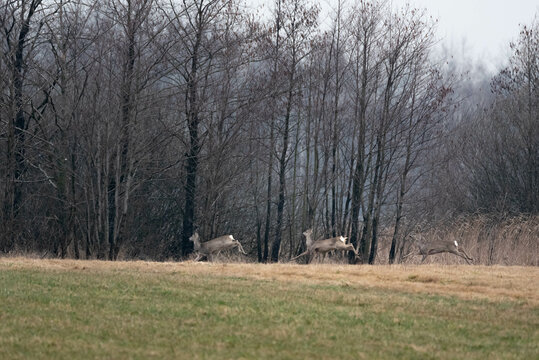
(115, 314)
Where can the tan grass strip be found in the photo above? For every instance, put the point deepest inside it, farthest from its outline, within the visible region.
(495, 283)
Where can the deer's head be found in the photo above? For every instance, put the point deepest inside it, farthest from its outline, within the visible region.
(196, 241)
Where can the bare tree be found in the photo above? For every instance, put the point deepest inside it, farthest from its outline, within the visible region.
(192, 23)
(506, 176)
(365, 33)
(488, 164)
(298, 20)
(65, 85)
(409, 39)
(19, 26)
(197, 112)
(425, 109)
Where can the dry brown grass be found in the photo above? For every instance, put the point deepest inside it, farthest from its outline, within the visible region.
(65, 309)
(495, 283)
(489, 240)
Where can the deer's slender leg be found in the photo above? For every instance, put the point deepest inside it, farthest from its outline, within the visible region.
(405, 256)
(461, 255)
(467, 256)
(454, 253)
(240, 248)
(300, 255)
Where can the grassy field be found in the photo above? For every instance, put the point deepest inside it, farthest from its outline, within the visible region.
(65, 309)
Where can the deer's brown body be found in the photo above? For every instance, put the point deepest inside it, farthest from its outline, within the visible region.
(214, 246)
(427, 248)
(324, 246)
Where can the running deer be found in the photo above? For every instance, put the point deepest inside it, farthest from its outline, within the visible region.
(437, 247)
(214, 246)
(324, 246)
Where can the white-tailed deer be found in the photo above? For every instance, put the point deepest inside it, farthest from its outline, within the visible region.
(324, 246)
(437, 247)
(214, 246)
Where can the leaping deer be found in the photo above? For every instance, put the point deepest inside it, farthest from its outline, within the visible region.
(437, 247)
(324, 246)
(214, 246)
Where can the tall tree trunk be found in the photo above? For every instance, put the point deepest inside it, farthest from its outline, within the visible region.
(293, 232)
(191, 165)
(365, 242)
(358, 176)
(73, 201)
(191, 168)
(398, 218)
(16, 148)
(268, 192)
(335, 134)
(402, 190)
(276, 246)
(379, 185)
(357, 190)
(272, 130)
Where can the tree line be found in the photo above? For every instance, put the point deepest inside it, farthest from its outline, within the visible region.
(127, 125)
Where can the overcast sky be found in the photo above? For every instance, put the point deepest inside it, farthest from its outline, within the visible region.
(485, 26)
(482, 29)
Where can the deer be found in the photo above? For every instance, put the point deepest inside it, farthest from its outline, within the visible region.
(324, 246)
(437, 247)
(214, 246)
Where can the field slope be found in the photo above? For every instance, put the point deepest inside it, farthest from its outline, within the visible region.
(65, 309)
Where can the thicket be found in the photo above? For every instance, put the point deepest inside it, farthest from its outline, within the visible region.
(126, 125)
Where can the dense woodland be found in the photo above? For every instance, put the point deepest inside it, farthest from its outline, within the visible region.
(126, 125)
